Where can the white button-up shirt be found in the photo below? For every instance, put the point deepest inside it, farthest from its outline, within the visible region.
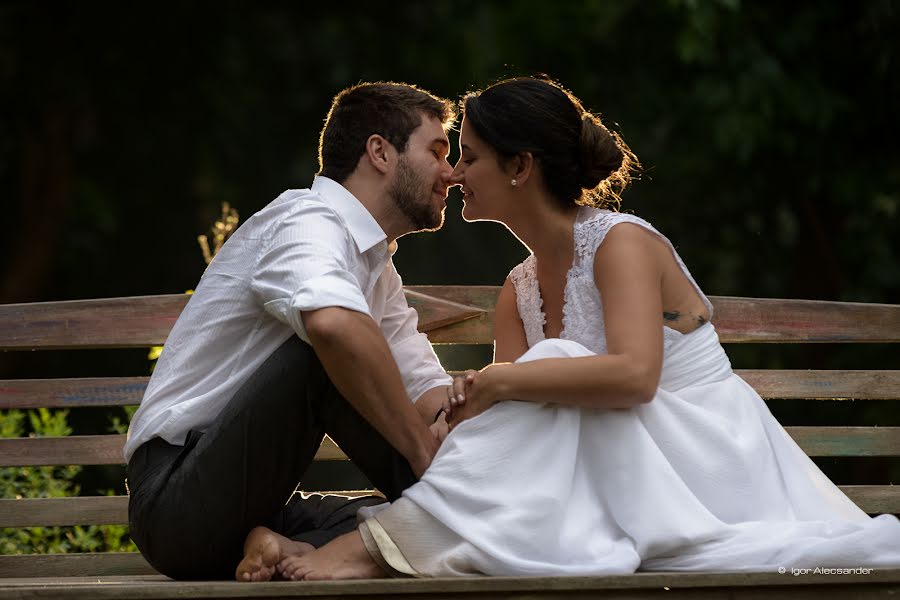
(308, 249)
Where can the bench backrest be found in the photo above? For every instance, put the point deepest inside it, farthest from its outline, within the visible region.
(449, 315)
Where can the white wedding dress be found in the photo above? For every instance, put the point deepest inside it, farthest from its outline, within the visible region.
(701, 478)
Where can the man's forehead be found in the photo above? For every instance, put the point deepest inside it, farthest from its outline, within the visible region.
(431, 131)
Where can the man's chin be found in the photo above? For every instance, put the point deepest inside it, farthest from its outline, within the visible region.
(432, 225)
(437, 225)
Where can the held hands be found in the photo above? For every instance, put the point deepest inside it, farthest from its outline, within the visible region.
(472, 393)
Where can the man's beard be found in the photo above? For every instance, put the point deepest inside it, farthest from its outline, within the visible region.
(408, 190)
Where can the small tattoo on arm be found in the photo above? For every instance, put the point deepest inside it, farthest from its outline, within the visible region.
(701, 320)
(671, 316)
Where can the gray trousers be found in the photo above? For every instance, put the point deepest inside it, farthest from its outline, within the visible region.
(192, 506)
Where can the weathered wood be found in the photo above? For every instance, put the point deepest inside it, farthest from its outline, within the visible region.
(483, 297)
(435, 313)
(146, 320)
(847, 441)
(743, 320)
(103, 323)
(791, 384)
(49, 512)
(113, 510)
(875, 499)
(70, 393)
(70, 450)
(87, 510)
(777, 320)
(878, 583)
(107, 449)
(92, 450)
(65, 565)
(823, 385)
(736, 319)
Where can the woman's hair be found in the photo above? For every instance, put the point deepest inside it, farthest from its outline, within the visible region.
(581, 160)
(392, 110)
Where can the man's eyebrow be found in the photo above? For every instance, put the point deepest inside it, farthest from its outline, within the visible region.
(442, 143)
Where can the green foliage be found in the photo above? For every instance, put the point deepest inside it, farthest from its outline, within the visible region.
(51, 482)
(768, 129)
(117, 424)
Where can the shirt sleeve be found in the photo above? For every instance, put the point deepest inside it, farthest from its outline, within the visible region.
(306, 266)
(419, 365)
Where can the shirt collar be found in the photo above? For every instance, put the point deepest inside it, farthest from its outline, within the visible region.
(366, 231)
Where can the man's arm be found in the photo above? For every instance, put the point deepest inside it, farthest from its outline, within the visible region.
(357, 358)
(431, 402)
(426, 382)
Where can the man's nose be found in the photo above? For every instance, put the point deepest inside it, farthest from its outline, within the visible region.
(456, 175)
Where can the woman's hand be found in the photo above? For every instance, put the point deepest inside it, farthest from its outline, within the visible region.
(473, 393)
(456, 393)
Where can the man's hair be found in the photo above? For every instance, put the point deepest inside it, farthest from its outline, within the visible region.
(391, 110)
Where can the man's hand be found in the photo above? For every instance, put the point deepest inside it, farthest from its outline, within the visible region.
(440, 428)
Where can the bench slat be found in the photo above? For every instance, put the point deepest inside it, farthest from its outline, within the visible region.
(50, 512)
(875, 499)
(85, 510)
(847, 441)
(776, 320)
(878, 583)
(790, 384)
(67, 565)
(823, 384)
(70, 393)
(107, 449)
(113, 510)
(91, 450)
(146, 320)
(140, 321)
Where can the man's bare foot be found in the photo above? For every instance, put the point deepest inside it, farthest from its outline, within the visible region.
(344, 557)
(263, 549)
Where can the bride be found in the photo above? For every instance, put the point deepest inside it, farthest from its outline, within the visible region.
(611, 434)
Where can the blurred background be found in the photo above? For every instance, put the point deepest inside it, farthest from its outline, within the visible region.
(768, 130)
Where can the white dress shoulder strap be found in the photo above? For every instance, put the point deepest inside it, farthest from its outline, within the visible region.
(590, 233)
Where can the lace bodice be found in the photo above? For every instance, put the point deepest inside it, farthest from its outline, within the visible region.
(582, 306)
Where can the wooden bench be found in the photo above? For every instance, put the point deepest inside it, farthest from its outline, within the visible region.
(449, 315)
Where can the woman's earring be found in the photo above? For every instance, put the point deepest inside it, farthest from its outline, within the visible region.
(513, 182)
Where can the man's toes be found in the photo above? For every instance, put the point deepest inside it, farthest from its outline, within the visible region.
(291, 571)
(286, 567)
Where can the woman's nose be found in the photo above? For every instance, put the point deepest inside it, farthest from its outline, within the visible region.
(456, 177)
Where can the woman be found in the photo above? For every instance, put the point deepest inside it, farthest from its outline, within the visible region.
(610, 434)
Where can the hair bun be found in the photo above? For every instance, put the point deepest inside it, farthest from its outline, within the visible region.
(599, 154)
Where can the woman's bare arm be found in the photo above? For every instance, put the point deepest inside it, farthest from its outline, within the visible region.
(628, 274)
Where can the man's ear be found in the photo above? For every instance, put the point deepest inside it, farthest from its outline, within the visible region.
(378, 152)
(521, 167)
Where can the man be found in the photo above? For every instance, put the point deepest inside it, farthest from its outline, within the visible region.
(299, 327)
